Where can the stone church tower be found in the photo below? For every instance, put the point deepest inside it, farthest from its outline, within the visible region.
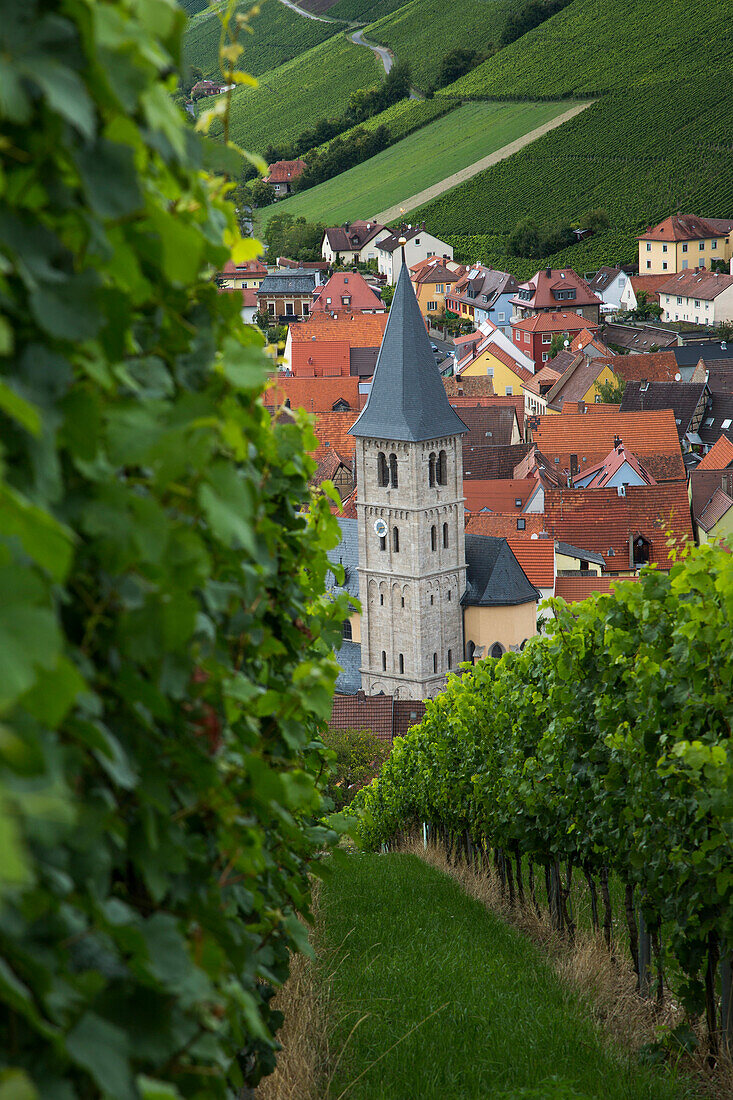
(409, 474)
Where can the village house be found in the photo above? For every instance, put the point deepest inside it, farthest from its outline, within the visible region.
(702, 297)
(608, 284)
(419, 245)
(683, 242)
(534, 335)
(484, 294)
(552, 290)
(288, 295)
(347, 292)
(646, 285)
(326, 345)
(246, 276)
(352, 242)
(581, 381)
(282, 174)
(687, 400)
(432, 279)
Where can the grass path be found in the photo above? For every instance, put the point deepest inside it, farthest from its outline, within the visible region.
(474, 1009)
(464, 174)
(423, 159)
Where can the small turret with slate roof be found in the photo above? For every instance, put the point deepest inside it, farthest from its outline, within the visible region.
(409, 469)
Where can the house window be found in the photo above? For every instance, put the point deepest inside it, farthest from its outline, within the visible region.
(402, 663)
(442, 468)
(502, 316)
(521, 524)
(346, 630)
(450, 658)
(508, 391)
(649, 263)
(664, 266)
(431, 470)
(545, 356)
(396, 539)
(664, 248)
(546, 338)
(679, 301)
(345, 299)
(382, 473)
(435, 662)
(433, 537)
(384, 661)
(439, 288)
(445, 536)
(432, 307)
(641, 551)
(648, 246)
(697, 303)
(393, 471)
(417, 240)
(684, 248)
(271, 309)
(714, 245)
(527, 338)
(289, 309)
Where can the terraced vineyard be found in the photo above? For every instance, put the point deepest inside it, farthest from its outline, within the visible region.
(363, 11)
(639, 155)
(402, 118)
(423, 31)
(297, 94)
(418, 161)
(279, 35)
(597, 46)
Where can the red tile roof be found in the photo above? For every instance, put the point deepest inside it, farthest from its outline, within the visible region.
(714, 510)
(602, 521)
(250, 267)
(537, 559)
(574, 589)
(352, 236)
(331, 429)
(282, 171)
(382, 714)
(433, 270)
(497, 494)
(350, 285)
(541, 284)
(652, 436)
(587, 407)
(719, 457)
(504, 525)
(656, 366)
(313, 394)
(682, 227)
(650, 284)
(320, 359)
(697, 284)
(360, 330)
(469, 386)
(555, 322)
(605, 470)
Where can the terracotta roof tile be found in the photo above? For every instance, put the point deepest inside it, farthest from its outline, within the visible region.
(683, 227)
(719, 457)
(652, 436)
(697, 284)
(703, 484)
(649, 284)
(602, 521)
(313, 394)
(331, 430)
(541, 285)
(555, 322)
(282, 171)
(493, 462)
(537, 559)
(350, 285)
(382, 714)
(574, 589)
(503, 525)
(498, 494)
(657, 366)
(322, 358)
(715, 509)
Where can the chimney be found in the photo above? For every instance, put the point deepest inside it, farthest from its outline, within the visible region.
(549, 272)
(616, 442)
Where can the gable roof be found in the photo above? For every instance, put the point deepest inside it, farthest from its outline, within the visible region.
(504, 525)
(346, 284)
(322, 358)
(719, 457)
(574, 589)
(296, 281)
(537, 559)
(543, 282)
(494, 577)
(682, 398)
(657, 366)
(493, 462)
(684, 227)
(605, 522)
(605, 470)
(332, 432)
(407, 400)
(358, 330)
(498, 494)
(282, 171)
(565, 321)
(576, 381)
(390, 243)
(697, 284)
(489, 425)
(639, 337)
(714, 510)
(434, 270)
(703, 484)
(651, 435)
(352, 236)
(649, 284)
(313, 394)
(603, 279)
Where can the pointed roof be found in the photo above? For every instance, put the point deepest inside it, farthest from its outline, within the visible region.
(407, 400)
(494, 577)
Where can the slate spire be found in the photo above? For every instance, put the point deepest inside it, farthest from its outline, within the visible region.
(407, 399)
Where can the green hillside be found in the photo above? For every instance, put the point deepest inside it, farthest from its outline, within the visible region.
(363, 11)
(297, 94)
(639, 155)
(402, 118)
(418, 161)
(423, 31)
(596, 46)
(193, 7)
(279, 34)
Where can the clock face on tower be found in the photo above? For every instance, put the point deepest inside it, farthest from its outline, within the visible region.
(380, 527)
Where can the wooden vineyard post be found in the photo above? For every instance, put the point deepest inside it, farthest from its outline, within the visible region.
(726, 1001)
(424, 836)
(645, 952)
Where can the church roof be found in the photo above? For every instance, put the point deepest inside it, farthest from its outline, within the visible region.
(494, 577)
(407, 400)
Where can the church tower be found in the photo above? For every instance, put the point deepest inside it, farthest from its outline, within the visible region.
(409, 473)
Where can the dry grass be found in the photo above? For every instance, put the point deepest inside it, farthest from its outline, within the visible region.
(606, 985)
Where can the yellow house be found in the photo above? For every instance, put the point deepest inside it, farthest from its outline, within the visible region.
(684, 242)
(431, 280)
(716, 519)
(246, 276)
(581, 382)
(509, 377)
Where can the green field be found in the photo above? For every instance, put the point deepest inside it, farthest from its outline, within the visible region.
(278, 35)
(193, 7)
(363, 11)
(296, 95)
(423, 31)
(402, 118)
(596, 46)
(418, 161)
(616, 155)
(446, 1002)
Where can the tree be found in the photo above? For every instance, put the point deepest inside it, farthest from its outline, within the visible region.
(358, 758)
(261, 193)
(456, 63)
(597, 220)
(524, 240)
(612, 391)
(645, 309)
(165, 664)
(387, 295)
(557, 344)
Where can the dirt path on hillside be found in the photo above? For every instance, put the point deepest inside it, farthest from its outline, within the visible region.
(386, 56)
(308, 14)
(405, 205)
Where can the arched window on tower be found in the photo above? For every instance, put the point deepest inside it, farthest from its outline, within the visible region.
(393, 471)
(435, 662)
(445, 536)
(433, 537)
(431, 470)
(470, 650)
(442, 469)
(402, 663)
(396, 539)
(450, 658)
(382, 473)
(384, 661)
(497, 650)
(346, 630)
(383, 542)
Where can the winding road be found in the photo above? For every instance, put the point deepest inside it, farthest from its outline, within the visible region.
(385, 55)
(307, 14)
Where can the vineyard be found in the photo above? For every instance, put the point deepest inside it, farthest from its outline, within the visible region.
(423, 31)
(324, 77)
(617, 155)
(278, 35)
(588, 255)
(423, 158)
(402, 118)
(603, 749)
(363, 11)
(597, 46)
